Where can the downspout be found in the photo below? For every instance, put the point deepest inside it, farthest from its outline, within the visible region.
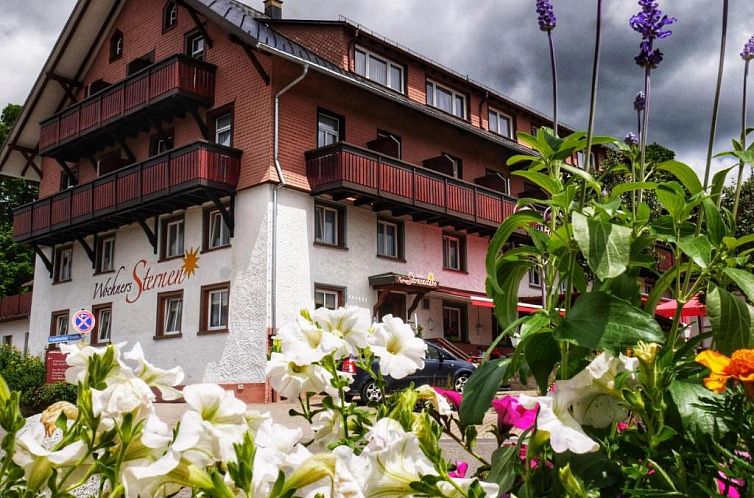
(280, 185)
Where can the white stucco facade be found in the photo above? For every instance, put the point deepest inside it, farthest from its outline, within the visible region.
(14, 332)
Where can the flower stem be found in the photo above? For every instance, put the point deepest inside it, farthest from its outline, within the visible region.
(593, 100)
(554, 67)
(737, 196)
(644, 132)
(716, 105)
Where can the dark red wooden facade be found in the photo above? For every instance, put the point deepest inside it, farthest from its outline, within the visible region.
(15, 307)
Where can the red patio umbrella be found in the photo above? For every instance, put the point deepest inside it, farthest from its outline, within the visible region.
(693, 308)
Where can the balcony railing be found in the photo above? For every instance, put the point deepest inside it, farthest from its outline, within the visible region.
(347, 169)
(176, 76)
(168, 181)
(14, 307)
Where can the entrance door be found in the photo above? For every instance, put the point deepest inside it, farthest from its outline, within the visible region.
(395, 305)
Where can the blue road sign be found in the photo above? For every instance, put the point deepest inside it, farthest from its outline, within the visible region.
(64, 338)
(83, 321)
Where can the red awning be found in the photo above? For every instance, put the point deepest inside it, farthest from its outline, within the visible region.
(484, 302)
(693, 308)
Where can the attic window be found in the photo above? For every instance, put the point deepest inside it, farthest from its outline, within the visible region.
(169, 16)
(379, 69)
(116, 46)
(445, 99)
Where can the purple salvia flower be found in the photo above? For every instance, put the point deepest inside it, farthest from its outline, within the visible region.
(631, 139)
(649, 22)
(748, 53)
(647, 57)
(640, 102)
(547, 19)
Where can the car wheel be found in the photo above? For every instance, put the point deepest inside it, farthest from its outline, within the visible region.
(460, 383)
(371, 393)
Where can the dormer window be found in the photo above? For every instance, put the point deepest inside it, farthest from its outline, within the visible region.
(379, 69)
(445, 99)
(500, 123)
(116, 46)
(170, 16)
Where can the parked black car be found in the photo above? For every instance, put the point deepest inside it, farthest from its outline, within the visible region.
(441, 369)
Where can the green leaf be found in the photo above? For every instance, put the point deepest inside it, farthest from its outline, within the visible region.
(542, 353)
(503, 467)
(589, 179)
(684, 174)
(671, 200)
(715, 225)
(548, 184)
(520, 158)
(596, 469)
(624, 188)
(480, 390)
(686, 397)
(508, 276)
(503, 233)
(743, 279)
(607, 246)
(602, 321)
(698, 249)
(732, 320)
(718, 182)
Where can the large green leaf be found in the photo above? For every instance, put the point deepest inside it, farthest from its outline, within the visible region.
(716, 227)
(698, 424)
(503, 463)
(684, 174)
(542, 353)
(698, 249)
(671, 199)
(602, 321)
(503, 233)
(589, 179)
(743, 279)
(607, 246)
(718, 182)
(624, 188)
(480, 389)
(547, 183)
(508, 275)
(732, 320)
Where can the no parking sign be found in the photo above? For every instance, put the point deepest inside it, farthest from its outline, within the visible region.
(83, 321)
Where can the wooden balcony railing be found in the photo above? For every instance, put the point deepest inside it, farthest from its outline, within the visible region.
(347, 168)
(177, 75)
(13, 307)
(159, 178)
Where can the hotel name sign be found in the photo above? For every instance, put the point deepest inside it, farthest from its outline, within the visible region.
(144, 277)
(417, 281)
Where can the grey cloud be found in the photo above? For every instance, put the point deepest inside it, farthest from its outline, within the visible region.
(498, 42)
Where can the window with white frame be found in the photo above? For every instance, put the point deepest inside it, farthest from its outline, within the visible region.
(195, 46)
(581, 159)
(171, 313)
(328, 129)
(387, 239)
(170, 16)
(59, 325)
(63, 264)
(224, 130)
(325, 297)
(217, 306)
(326, 225)
(104, 324)
(173, 238)
(106, 254)
(379, 69)
(219, 234)
(446, 99)
(451, 252)
(500, 123)
(535, 279)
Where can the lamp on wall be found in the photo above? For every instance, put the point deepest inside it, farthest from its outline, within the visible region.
(478, 323)
(430, 324)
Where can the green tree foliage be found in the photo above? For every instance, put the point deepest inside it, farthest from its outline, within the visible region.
(745, 218)
(16, 261)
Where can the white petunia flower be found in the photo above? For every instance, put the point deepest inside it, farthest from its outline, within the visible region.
(77, 359)
(165, 477)
(401, 353)
(553, 417)
(291, 379)
(346, 324)
(164, 380)
(39, 462)
(491, 490)
(328, 428)
(304, 343)
(125, 396)
(439, 403)
(156, 434)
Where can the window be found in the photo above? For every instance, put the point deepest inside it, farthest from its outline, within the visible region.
(379, 69)
(502, 183)
(454, 321)
(116, 46)
(169, 314)
(103, 315)
(63, 264)
(69, 178)
(328, 297)
(500, 123)
(581, 159)
(195, 46)
(105, 254)
(8, 340)
(535, 279)
(59, 323)
(216, 231)
(214, 308)
(224, 130)
(160, 143)
(390, 143)
(329, 224)
(330, 129)
(446, 99)
(390, 239)
(169, 16)
(96, 87)
(172, 237)
(453, 252)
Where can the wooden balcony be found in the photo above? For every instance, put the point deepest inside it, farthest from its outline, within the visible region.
(162, 91)
(347, 171)
(176, 179)
(15, 307)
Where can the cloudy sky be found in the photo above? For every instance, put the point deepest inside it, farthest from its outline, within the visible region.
(498, 43)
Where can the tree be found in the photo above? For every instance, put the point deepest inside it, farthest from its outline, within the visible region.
(16, 260)
(745, 218)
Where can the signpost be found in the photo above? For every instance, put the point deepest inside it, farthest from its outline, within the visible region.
(82, 322)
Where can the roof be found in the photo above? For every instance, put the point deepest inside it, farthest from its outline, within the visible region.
(82, 37)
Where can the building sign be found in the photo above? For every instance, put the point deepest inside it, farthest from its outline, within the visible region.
(83, 321)
(144, 278)
(410, 280)
(56, 366)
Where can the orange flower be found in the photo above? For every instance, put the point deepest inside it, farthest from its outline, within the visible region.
(739, 366)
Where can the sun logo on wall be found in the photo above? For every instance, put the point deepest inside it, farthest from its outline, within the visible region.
(191, 262)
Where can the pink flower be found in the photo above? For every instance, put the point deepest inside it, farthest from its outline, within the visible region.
(461, 469)
(729, 487)
(511, 414)
(622, 426)
(453, 397)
